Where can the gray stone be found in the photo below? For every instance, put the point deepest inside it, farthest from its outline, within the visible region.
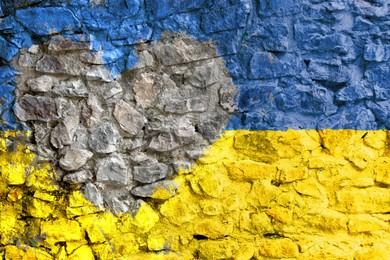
(75, 159)
(179, 166)
(41, 132)
(164, 142)
(147, 191)
(142, 158)
(204, 75)
(211, 125)
(149, 174)
(184, 130)
(92, 194)
(129, 119)
(145, 59)
(131, 144)
(62, 135)
(146, 90)
(43, 83)
(51, 64)
(36, 108)
(92, 110)
(111, 89)
(78, 177)
(68, 110)
(103, 138)
(71, 88)
(44, 153)
(183, 106)
(99, 73)
(113, 169)
(194, 154)
(80, 138)
(118, 206)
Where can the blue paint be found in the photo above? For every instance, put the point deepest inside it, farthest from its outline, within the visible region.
(298, 64)
(7, 49)
(48, 20)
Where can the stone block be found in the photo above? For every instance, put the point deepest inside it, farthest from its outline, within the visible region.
(160, 190)
(113, 169)
(367, 200)
(265, 65)
(223, 20)
(149, 174)
(310, 187)
(263, 194)
(365, 223)
(328, 221)
(129, 119)
(75, 159)
(62, 134)
(309, 100)
(381, 110)
(43, 83)
(279, 248)
(246, 170)
(375, 52)
(272, 35)
(103, 138)
(163, 142)
(78, 177)
(378, 74)
(125, 8)
(44, 20)
(7, 49)
(36, 108)
(93, 194)
(332, 73)
(381, 92)
(350, 117)
(213, 228)
(62, 229)
(218, 249)
(6, 74)
(382, 170)
(354, 92)
(71, 88)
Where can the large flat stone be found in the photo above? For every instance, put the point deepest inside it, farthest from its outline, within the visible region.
(45, 20)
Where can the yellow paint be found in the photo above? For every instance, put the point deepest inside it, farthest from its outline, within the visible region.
(266, 194)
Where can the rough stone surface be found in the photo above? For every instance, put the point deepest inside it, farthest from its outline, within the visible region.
(150, 173)
(41, 84)
(74, 159)
(129, 119)
(298, 64)
(113, 169)
(130, 130)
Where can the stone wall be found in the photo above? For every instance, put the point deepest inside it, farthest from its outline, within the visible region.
(122, 129)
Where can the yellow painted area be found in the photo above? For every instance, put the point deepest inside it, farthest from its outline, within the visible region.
(264, 195)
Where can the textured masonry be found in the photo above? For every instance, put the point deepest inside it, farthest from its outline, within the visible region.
(121, 138)
(113, 115)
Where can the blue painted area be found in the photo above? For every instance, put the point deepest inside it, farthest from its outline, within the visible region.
(47, 20)
(297, 63)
